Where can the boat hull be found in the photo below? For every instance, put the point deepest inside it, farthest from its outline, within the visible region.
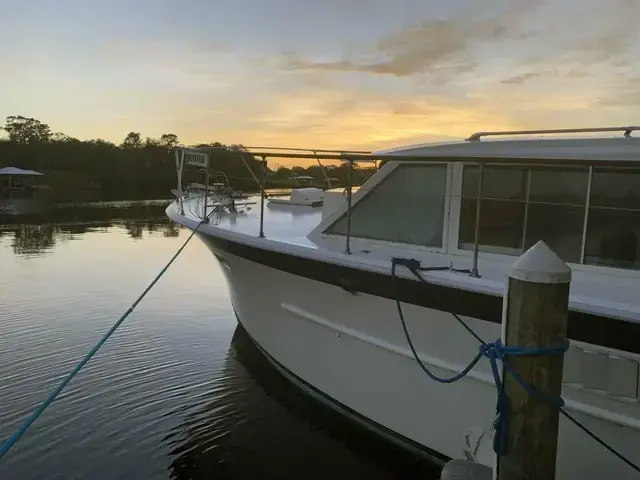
(348, 348)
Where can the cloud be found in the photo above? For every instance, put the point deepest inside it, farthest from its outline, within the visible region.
(545, 39)
(363, 74)
(520, 79)
(577, 73)
(618, 34)
(348, 119)
(630, 98)
(624, 94)
(557, 73)
(435, 45)
(602, 33)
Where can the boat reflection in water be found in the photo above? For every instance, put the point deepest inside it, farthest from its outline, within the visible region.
(256, 424)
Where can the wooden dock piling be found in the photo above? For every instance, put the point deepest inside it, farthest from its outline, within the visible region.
(536, 308)
(536, 312)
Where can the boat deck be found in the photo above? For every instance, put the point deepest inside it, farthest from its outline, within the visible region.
(288, 224)
(286, 228)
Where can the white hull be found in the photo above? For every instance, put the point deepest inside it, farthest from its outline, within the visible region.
(352, 349)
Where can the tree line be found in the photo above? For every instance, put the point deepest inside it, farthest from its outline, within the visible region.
(137, 168)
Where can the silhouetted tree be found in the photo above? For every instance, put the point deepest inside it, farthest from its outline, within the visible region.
(62, 137)
(151, 142)
(27, 130)
(169, 140)
(100, 170)
(132, 140)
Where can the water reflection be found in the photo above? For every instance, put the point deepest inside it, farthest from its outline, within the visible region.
(40, 233)
(31, 203)
(167, 396)
(258, 425)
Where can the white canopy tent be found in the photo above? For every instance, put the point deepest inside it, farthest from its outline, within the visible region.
(17, 171)
(14, 179)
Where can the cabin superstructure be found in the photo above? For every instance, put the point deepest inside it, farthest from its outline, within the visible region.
(581, 196)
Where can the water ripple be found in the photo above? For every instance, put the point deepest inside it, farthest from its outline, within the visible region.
(175, 393)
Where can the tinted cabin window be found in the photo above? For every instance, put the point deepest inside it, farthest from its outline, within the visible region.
(504, 193)
(613, 224)
(406, 207)
(522, 205)
(556, 209)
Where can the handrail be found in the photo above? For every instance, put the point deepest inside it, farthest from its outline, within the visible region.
(347, 250)
(443, 158)
(489, 159)
(481, 161)
(314, 150)
(627, 132)
(294, 149)
(244, 160)
(324, 172)
(313, 153)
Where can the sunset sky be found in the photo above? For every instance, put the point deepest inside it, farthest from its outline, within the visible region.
(332, 73)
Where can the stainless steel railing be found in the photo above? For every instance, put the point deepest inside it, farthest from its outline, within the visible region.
(363, 157)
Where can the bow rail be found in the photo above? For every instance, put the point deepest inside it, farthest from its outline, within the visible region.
(584, 157)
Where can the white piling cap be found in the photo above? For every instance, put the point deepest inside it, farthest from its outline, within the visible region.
(540, 264)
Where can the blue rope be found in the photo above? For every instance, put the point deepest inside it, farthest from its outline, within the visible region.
(494, 352)
(49, 400)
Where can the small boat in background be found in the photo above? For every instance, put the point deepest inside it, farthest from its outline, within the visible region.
(307, 197)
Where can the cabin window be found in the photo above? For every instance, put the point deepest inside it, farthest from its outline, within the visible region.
(522, 205)
(596, 224)
(613, 222)
(556, 208)
(504, 193)
(406, 207)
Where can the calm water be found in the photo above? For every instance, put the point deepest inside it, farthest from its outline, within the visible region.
(178, 391)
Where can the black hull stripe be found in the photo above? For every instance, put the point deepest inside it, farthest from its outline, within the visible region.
(584, 327)
(413, 446)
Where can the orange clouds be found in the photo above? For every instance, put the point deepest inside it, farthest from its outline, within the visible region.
(450, 71)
